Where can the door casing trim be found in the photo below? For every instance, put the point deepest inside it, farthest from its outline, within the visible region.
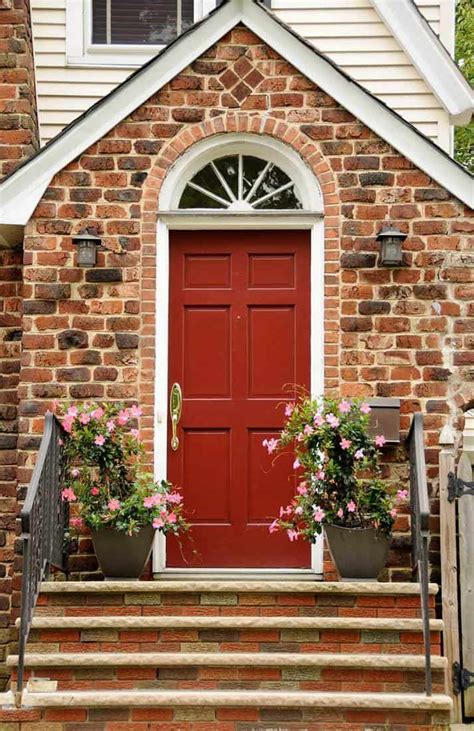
(166, 224)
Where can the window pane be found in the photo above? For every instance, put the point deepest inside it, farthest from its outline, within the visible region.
(253, 166)
(273, 180)
(192, 198)
(208, 180)
(285, 199)
(229, 169)
(139, 22)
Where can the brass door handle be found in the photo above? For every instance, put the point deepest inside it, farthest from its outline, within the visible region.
(176, 407)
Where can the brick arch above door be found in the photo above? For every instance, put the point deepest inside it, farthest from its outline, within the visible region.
(310, 156)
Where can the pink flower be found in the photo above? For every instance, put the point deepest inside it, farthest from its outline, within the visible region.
(274, 527)
(75, 472)
(402, 494)
(99, 440)
(380, 440)
(285, 511)
(365, 408)
(111, 426)
(122, 417)
(135, 412)
(95, 491)
(171, 517)
(76, 522)
(332, 420)
(302, 489)
(289, 408)
(152, 500)
(296, 464)
(114, 504)
(318, 419)
(340, 513)
(298, 510)
(67, 424)
(320, 475)
(158, 523)
(98, 413)
(84, 418)
(393, 513)
(319, 515)
(344, 407)
(292, 534)
(72, 412)
(308, 430)
(345, 443)
(175, 498)
(68, 495)
(359, 454)
(270, 444)
(135, 433)
(351, 506)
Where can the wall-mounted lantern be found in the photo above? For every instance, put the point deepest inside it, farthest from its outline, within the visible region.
(87, 246)
(391, 240)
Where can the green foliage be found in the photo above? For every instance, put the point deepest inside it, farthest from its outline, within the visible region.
(104, 480)
(341, 479)
(464, 54)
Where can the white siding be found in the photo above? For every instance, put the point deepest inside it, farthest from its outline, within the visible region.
(349, 31)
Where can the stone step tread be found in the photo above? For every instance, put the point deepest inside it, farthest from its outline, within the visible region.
(158, 621)
(249, 699)
(219, 659)
(235, 587)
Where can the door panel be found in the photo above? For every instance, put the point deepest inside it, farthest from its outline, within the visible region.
(239, 336)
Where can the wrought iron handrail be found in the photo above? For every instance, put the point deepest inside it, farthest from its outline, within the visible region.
(44, 519)
(420, 529)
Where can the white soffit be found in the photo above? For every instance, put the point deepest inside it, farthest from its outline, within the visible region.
(429, 57)
(21, 192)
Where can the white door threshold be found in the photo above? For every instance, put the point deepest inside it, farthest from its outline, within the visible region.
(237, 575)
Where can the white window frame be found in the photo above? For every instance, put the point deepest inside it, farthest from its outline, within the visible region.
(80, 51)
(311, 218)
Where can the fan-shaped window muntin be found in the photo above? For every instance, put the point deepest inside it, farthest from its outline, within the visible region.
(241, 182)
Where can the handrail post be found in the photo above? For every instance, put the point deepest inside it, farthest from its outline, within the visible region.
(449, 567)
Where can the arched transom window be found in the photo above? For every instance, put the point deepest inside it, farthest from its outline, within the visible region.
(241, 182)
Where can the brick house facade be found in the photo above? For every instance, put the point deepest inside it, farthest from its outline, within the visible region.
(90, 334)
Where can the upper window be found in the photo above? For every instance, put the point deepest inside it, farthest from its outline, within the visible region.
(241, 183)
(140, 22)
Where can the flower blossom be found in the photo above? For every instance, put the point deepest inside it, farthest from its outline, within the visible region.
(393, 513)
(380, 440)
(270, 444)
(98, 413)
(274, 527)
(95, 491)
(402, 494)
(345, 443)
(75, 472)
(302, 489)
(292, 534)
(320, 475)
(99, 440)
(114, 504)
(359, 454)
(111, 426)
(365, 408)
(340, 513)
(351, 506)
(122, 417)
(84, 418)
(318, 419)
(319, 515)
(67, 423)
(298, 510)
(308, 430)
(72, 412)
(344, 407)
(68, 495)
(332, 420)
(76, 522)
(135, 412)
(152, 500)
(135, 433)
(158, 523)
(285, 511)
(296, 464)
(172, 518)
(289, 408)
(175, 498)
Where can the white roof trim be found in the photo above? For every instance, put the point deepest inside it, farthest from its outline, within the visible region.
(21, 192)
(429, 57)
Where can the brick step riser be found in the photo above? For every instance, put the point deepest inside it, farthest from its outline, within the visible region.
(222, 719)
(175, 604)
(240, 678)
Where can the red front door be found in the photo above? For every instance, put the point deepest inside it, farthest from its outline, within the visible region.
(239, 332)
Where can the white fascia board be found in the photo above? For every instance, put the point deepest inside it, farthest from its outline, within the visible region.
(429, 57)
(371, 111)
(20, 193)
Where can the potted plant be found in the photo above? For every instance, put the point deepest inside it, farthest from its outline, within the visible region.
(340, 489)
(110, 492)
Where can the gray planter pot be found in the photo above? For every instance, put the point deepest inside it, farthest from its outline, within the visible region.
(360, 554)
(121, 556)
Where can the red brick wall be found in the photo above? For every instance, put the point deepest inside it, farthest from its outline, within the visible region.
(18, 121)
(404, 332)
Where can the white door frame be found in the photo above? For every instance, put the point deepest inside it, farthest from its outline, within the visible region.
(171, 219)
